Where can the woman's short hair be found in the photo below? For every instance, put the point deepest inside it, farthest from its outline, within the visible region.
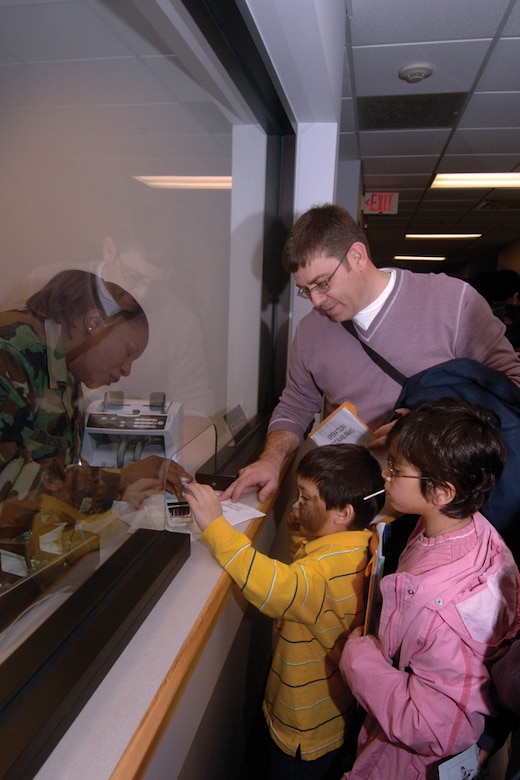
(72, 293)
(345, 474)
(452, 441)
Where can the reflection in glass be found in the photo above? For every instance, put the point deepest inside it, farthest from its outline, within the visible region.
(75, 331)
(112, 99)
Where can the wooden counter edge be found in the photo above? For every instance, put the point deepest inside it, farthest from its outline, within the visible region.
(140, 750)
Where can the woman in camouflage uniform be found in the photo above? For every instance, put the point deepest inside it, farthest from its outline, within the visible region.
(73, 331)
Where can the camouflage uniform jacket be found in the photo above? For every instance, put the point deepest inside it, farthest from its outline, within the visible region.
(41, 426)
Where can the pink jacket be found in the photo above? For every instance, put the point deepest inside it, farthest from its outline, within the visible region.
(449, 610)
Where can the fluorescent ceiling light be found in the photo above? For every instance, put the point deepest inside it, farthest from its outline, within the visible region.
(419, 257)
(186, 182)
(443, 235)
(477, 180)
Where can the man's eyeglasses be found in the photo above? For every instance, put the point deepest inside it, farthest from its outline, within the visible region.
(321, 287)
(394, 473)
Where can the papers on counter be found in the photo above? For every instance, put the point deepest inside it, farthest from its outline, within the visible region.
(236, 513)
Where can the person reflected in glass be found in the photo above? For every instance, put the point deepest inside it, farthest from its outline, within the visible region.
(62, 339)
(136, 257)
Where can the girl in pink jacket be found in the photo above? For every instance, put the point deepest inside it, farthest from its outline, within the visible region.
(450, 609)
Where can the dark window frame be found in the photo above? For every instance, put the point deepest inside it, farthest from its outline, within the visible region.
(230, 31)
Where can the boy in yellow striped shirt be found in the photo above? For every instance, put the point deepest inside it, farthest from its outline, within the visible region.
(316, 601)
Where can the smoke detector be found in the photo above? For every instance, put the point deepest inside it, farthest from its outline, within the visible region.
(414, 73)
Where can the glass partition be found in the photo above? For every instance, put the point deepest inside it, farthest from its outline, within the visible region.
(134, 309)
(117, 159)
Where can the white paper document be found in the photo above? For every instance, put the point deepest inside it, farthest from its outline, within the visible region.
(463, 766)
(236, 513)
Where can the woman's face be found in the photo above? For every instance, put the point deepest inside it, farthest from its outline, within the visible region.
(109, 352)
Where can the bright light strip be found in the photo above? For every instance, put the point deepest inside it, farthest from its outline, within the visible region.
(443, 235)
(186, 182)
(477, 180)
(419, 257)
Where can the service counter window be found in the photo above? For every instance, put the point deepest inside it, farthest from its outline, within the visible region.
(133, 299)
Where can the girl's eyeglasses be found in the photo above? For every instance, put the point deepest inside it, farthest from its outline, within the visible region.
(394, 473)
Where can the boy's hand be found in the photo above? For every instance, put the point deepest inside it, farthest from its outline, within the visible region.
(204, 503)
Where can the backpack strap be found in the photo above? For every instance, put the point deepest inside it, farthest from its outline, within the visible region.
(387, 367)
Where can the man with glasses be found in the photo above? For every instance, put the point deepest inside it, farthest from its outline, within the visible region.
(413, 320)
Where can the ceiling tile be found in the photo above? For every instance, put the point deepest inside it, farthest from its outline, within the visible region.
(488, 110)
(484, 141)
(399, 22)
(475, 163)
(455, 66)
(393, 142)
(499, 76)
(398, 165)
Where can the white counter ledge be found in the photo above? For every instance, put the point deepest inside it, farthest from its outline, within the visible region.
(157, 684)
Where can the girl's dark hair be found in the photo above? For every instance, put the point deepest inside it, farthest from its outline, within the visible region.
(323, 230)
(455, 441)
(70, 294)
(344, 474)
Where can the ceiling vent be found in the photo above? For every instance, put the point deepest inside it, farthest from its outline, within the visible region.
(409, 112)
(499, 205)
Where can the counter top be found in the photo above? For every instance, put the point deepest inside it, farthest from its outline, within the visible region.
(117, 731)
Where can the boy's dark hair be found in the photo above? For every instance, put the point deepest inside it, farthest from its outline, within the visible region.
(323, 230)
(344, 474)
(455, 441)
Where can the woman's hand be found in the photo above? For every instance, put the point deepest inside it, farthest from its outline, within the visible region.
(166, 473)
(136, 493)
(174, 477)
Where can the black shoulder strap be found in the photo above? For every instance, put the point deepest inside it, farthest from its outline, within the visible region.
(375, 356)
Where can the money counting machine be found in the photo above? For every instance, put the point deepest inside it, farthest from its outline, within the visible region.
(119, 431)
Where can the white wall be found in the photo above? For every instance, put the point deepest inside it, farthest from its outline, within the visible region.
(316, 159)
(245, 267)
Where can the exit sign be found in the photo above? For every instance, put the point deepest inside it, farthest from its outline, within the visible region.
(380, 202)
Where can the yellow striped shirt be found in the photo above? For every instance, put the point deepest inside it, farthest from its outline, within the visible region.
(317, 600)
